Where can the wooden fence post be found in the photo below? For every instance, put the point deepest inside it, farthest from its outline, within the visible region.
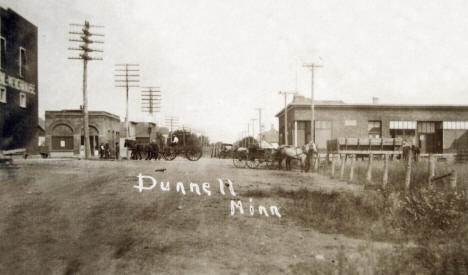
(316, 162)
(332, 166)
(431, 170)
(408, 170)
(351, 172)
(453, 180)
(385, 173)
(369, 168)
(342, 168)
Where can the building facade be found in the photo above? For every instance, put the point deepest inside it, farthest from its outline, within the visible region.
(65, 135)
(18, 82)
(434, 128)
(145, 132)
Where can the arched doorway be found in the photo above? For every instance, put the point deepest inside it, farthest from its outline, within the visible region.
(62, 138)
(93, 139)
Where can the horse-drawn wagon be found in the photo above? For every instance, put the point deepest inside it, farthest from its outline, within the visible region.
(225, 151)
(137, 149)
(183, 143)
(254, 157)
(191, 152)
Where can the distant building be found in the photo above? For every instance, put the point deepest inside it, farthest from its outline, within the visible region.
(163, 131)
(18, 82)
(145, 132)
(270, 136)
(131, 130)
(65, 135)
(435, 128)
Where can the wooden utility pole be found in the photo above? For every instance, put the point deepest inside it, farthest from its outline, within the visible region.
(286, 93)
(248, 133)
(312, 67)
(253, 127)
(127, 76)
(150, 100)
(84, 40)
(259, 125)
(171, 121)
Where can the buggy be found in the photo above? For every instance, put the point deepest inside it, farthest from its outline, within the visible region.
(254, 157)
(226, 151)
(187, 146)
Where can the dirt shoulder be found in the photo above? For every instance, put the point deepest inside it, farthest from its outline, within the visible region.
(86, 217)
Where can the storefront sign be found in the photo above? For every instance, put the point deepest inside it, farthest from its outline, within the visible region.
(16, 83)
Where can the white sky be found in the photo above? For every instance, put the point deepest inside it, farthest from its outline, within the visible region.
(216, 61)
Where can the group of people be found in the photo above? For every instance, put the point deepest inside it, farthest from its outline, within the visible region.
(407, 148)
(105, 150)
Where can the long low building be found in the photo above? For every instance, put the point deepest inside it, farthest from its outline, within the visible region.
(435, 128)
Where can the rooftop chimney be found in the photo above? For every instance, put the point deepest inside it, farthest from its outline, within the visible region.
(375, 100)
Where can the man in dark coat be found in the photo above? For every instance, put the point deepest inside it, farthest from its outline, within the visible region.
(117, 150)
(106, 151)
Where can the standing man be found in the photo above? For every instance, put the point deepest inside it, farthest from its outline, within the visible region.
(406, 147)
(175, 140)
(106, 151)
(117, 151)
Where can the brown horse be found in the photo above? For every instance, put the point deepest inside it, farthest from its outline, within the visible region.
(303, 154)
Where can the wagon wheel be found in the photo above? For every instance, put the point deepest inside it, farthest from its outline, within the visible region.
(193, 154)
(270, 163)
(253, 163)
(238, 162)
(169, 154)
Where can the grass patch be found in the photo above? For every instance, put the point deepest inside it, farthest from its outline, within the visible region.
(434, 220)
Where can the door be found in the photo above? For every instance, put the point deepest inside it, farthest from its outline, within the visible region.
(323, 133)
(62, 143)
(301, 138)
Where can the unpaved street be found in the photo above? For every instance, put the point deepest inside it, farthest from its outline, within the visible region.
(86, 217)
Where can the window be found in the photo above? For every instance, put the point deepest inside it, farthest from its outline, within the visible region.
(22, 101)
(403, 125)
(455, 125)
(22, 61)
(2, 52)
(350, 122)
(426, 127)
(3, 97)
(405, 130)
(374, 129)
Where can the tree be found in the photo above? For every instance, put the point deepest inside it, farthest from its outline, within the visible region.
(204, 140)
(247, 142)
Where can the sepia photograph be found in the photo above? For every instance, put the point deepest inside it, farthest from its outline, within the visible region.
(234, 137)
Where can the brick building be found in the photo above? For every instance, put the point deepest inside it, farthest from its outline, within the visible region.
(435, 128)
(65, 135)
(18, 82)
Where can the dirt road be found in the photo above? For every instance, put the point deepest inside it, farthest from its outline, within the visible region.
(86, 217)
